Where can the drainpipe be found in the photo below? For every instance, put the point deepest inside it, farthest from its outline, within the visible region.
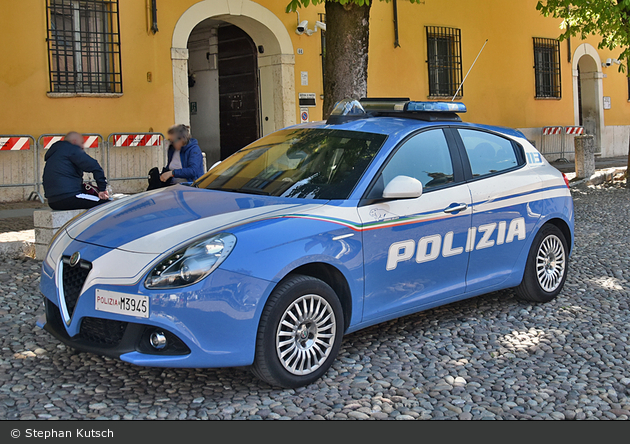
(396, 42)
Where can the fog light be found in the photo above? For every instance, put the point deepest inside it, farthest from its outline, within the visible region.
(157, 340)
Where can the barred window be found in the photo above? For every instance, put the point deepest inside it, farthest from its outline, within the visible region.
(444, 51)
(84, 46)
(547, 67)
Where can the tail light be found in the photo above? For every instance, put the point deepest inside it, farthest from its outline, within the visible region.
(566, 180)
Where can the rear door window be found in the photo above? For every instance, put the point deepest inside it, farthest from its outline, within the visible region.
(488, 154)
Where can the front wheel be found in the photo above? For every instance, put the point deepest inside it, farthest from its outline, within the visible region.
(299, 334)
(546, 268)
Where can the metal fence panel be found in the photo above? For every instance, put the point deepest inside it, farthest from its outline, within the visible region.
(552, 146)
(130, 156)
(18, 168)
(557, 142)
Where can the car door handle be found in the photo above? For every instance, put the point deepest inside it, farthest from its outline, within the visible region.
(460, 207)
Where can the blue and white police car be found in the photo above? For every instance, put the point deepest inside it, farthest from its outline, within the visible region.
(388, 208)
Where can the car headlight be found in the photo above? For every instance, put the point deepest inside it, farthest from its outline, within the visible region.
(192, 263)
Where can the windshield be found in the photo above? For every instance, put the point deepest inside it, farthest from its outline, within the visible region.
(303, 163)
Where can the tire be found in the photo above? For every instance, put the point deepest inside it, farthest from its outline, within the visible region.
(299, 334)
(546, 268)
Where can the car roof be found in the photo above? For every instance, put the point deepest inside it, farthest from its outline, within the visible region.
(402, 126)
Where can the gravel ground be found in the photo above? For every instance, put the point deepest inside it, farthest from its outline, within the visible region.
(491, 357)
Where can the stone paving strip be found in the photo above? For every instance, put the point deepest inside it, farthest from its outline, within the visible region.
(490, 357)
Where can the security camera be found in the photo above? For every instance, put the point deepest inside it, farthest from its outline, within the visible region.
(303, 26)
(320, 25)
(609, 62)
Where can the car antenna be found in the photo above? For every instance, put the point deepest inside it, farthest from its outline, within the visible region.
(471, 67)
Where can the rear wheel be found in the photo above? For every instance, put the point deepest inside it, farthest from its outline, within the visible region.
(546, 269)
(299, 334)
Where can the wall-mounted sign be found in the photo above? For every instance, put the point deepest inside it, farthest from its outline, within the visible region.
(300, 51)
(304, 78)
(303, 115)
(307, 99)
(193, 108)
(607, 103)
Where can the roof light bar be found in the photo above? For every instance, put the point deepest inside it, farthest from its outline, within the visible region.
(384, 104)
(349, 109)
(405, 105)
(437, 107)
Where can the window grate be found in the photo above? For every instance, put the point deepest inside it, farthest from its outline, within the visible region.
(444, 51)
(84, 46)
(547, 68)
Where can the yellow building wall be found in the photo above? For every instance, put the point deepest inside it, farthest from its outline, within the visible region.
(500, 89)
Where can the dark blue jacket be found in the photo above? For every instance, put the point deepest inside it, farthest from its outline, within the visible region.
(63, 172)
(192, 161)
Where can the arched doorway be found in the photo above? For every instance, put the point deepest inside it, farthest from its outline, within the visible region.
(588, 94)
(223, 88)
(274, 59)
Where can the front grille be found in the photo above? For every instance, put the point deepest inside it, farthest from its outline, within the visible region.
(73, 280)
(103, 332)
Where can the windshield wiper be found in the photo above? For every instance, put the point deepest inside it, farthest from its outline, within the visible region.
(243, 191)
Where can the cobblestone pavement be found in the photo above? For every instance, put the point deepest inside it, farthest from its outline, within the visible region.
(491, 357)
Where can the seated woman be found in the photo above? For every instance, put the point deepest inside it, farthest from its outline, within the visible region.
(185, 161)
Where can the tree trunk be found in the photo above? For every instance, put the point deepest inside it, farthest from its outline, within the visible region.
(628, 163)
(347, 43)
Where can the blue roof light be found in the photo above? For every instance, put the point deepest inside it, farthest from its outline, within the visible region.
(436, 107)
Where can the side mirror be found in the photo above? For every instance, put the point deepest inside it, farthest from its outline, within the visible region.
(403, 187)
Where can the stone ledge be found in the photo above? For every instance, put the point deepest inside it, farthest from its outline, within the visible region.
(40, 251)
(47, 223)
(53, 219)
(44, 235)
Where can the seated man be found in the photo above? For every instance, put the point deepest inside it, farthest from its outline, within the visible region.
(66, 161)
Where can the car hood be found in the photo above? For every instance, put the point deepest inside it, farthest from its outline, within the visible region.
(156, 221)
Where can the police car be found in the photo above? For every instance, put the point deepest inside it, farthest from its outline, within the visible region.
(388, 208)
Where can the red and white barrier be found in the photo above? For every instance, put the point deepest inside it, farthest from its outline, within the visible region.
(15, 143)
(552, 130)
(137, 140)
(89, 141)
(574, 130)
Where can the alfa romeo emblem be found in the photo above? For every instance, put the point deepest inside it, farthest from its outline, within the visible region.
(74, 259)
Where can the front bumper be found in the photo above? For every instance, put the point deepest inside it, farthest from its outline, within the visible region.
(110, 338)
(213, 323)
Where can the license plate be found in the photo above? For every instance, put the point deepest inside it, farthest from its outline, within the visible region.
(121, 303)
